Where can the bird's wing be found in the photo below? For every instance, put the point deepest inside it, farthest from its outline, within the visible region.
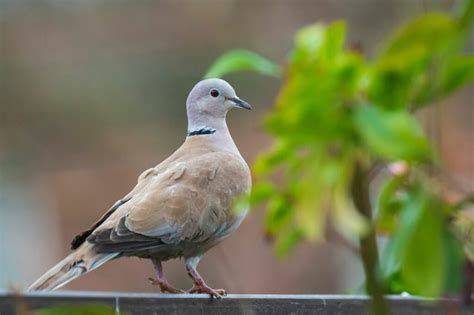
(81, 237)
(142, 182)
(189, 202)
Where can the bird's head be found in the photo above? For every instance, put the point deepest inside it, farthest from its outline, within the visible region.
(212, 99)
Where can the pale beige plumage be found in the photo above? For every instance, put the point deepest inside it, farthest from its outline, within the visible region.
(179, 208)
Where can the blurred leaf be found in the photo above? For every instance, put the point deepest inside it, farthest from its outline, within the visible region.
(287, 241)
(450, 75)
(395, 284)
(408, 70)
(311, 206)
(318, 41)
(429, 33)
(261, 191)
(347, 219)
(454, 257)
(423, 257)
(242, 60)
(278, 215)
(392, 135)
(351, 75)
(459, 71)
(415, 258)
(241, 205)
(308, 41)
(279, 153)
(300, 117)
(421, 244)
(394, 78)
(389, 204)
(91, 309)
(390, 266)
(465, 14)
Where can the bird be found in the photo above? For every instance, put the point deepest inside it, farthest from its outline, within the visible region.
(180, 208)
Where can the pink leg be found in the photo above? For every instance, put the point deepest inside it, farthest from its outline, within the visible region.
(199, 285)
(161, 281)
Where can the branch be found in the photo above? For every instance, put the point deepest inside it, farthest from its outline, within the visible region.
(368, 245)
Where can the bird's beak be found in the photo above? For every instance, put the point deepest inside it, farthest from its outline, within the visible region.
(240, 103)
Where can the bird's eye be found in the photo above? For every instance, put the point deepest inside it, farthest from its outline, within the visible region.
(214, 93)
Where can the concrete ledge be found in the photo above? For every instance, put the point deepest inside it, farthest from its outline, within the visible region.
(145, 303)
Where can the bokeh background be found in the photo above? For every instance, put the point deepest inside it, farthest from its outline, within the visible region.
(93, 92)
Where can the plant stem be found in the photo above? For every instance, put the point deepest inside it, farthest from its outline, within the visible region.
(368, 245)
(468, 282)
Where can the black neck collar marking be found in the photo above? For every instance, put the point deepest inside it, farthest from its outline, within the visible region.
(202, 131)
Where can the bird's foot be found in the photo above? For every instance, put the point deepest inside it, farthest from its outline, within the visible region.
(165, 287)
(204, 288)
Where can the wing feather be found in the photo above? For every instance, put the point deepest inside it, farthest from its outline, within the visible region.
(81, 237)
(188, 203)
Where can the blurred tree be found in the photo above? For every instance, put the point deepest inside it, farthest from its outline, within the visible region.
(338, 120)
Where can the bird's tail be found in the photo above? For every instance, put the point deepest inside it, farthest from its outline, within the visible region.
(81, 261)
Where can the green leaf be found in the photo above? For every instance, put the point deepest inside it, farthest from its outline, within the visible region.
(421, 245)
(389, 204)
(407, 72)
(318, 41)
(278, 154)
(287, 241)
(242, 60)
(347, 219)
(315, 191)
(394, 79)
(261, 191)
(459, 71)
(241, 205)
(392, 135)
(414, 259)
(451, 75)
(454, 257)
(422, 257)
(390, 266)
(278, 215)
(308, 41)
(465, 14)
(430, 32)
(310, 207)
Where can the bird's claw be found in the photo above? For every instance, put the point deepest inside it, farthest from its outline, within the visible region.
(214, 293)
(165, 286)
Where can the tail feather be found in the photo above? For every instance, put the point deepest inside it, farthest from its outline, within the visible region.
(81, 261)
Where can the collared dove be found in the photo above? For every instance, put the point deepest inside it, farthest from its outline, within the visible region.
(180, 208)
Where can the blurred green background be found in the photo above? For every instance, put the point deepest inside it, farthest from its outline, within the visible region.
(93, 92)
